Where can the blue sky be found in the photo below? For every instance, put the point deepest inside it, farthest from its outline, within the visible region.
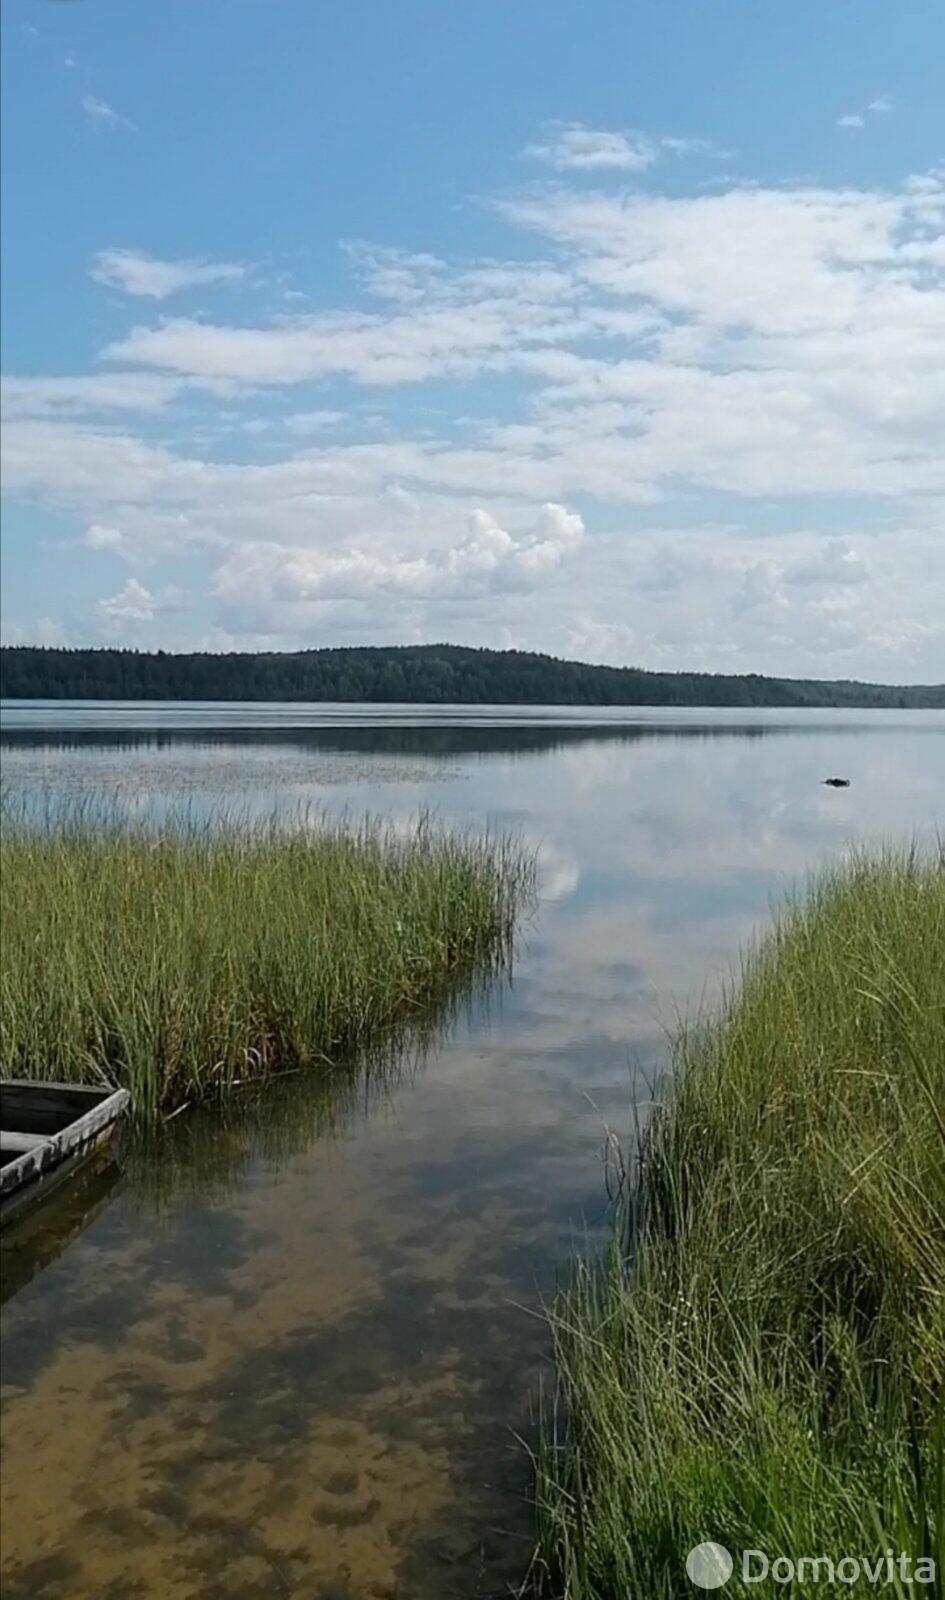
(615, 331)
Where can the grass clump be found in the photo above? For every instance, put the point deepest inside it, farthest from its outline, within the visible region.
(760, 1359)
(174, 963)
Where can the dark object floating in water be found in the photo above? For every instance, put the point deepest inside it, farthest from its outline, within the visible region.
(46, 1131)
(837, 783)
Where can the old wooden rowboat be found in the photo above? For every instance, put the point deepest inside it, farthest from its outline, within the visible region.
(46, 1131)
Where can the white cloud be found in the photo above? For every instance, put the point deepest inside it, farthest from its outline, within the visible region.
(133, 603)
(694, 147)
(475, 320)
(103, 115)
(760, 341)
(805, 346)
(42, 631)
(879, 107)
(264, 577)
(761, 588)
(134, 606)
(401, 275)
(135, 272)
(99, 537)
(838, 562)
(572, 147)
(123, 391)
(307, 422)
(776, 353)
(610, 644)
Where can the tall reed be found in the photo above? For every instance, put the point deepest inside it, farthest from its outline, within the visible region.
(175, 962)
(760, 1359)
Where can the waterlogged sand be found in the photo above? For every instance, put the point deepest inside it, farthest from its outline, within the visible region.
(297, 1421)
(126, 1502)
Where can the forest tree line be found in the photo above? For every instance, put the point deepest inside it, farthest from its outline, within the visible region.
(433, 674)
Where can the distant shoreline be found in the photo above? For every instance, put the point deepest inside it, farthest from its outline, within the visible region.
(420, 675)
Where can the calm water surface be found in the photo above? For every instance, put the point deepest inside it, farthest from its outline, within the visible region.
(290, 1353)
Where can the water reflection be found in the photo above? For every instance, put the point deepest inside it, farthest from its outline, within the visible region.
(430, 743)
(289, 1352)
(39, 1237)
(206, 1152)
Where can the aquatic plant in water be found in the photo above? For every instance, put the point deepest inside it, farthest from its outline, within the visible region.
(758, 1363)
(180, 960)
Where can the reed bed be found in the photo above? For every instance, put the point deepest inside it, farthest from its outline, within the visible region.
(759, 1361)
(180, 961)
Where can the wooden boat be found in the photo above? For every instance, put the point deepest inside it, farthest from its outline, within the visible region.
(46, 1131)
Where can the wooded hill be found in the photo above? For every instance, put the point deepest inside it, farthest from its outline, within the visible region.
(434, 674)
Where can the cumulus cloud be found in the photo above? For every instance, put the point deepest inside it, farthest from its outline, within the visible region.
(133, 603)
(137, 273)
(492, 556)
(487, 559)
(135, 606)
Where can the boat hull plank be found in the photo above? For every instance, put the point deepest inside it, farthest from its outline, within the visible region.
(45, 1128)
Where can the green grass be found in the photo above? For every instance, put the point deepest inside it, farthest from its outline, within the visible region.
(179, 962)
(759, 1360)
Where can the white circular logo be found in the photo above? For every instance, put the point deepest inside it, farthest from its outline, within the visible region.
(709, 1565)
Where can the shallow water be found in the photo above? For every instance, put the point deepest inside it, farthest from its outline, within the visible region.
(292, 1353)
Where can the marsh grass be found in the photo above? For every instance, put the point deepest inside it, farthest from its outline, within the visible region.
(178, 962)
(760, 1359)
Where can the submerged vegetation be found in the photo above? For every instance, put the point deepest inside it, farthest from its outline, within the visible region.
(760, 1359)
(178, 962)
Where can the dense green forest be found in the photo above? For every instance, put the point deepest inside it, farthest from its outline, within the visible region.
(432, 673)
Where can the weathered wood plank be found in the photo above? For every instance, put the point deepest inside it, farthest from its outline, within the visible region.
(10, 1140)
(39, 1149)
(45, 1107)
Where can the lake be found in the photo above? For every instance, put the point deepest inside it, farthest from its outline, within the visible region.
(295, 1349)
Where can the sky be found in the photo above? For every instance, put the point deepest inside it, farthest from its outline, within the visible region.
(610, 329)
